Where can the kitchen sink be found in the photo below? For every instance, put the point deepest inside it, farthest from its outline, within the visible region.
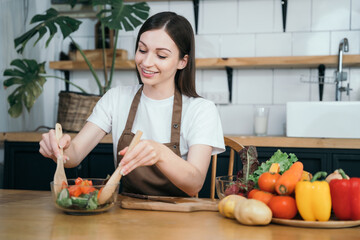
(323, 119)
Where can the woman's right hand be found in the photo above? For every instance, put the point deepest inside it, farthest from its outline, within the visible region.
(50, 148)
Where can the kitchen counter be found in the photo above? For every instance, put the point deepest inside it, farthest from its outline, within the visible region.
(268, 141)
(32, 215)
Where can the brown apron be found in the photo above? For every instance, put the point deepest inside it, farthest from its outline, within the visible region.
(149, 180)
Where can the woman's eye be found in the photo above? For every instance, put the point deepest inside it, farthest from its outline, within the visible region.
(142, 51)
(161, 57)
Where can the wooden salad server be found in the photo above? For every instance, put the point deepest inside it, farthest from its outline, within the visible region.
(111, 184)
(59, 176)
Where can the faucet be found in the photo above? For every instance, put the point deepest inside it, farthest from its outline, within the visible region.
(339, 74)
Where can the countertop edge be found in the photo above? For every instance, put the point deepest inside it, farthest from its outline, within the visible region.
(267, 141)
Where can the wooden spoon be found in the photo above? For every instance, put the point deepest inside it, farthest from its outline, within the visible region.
(59, 176)
(112, 183)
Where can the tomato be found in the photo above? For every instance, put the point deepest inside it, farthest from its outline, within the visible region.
(263, 196)
(283, 207)
(86, 187)
(267, 181)
(252, 192)
(75, 191)
(78, 181)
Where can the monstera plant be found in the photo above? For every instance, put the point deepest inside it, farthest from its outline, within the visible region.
(28, 76)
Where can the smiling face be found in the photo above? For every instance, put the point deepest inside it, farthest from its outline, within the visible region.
(157, 60)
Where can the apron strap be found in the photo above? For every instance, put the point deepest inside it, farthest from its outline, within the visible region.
(133, 110)
(176, 118)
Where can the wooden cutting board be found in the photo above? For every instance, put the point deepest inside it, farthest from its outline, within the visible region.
(179, 204)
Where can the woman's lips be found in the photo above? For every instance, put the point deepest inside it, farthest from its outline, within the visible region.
(147, 73)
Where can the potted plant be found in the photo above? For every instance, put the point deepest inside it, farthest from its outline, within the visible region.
(29, 76)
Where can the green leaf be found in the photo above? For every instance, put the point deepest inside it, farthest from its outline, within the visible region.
(26, 75)
(285, 161)
(47, 22)
(120, 15)
(16, 105)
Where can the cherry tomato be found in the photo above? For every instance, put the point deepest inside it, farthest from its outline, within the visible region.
(267, 181)
(86, 187)
(263, 196)
(252, 192)
(78, 181)
(283, 207)
(75, 191)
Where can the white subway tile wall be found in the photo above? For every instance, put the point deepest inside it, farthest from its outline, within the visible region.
(287, 85)
(253, 28)
(241, 45)
(218, 16)
(273, 44)
(300, 18)
(330, 15)
(207, 46)
(311, 43)
(254, 16)
(246, 28)
(355, 15)
(253, 86)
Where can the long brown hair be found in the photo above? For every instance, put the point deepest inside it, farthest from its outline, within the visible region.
(180, 31)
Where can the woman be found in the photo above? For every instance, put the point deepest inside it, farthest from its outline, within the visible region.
(180, 129)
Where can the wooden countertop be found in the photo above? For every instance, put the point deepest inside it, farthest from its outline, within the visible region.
(268, 141)
(32, 215)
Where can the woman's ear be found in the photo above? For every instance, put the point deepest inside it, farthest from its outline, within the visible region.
(183, 62)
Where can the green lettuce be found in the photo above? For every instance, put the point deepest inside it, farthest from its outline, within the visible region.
(285, 161)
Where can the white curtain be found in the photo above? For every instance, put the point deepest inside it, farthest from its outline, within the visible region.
(10, 26)
(15, 16)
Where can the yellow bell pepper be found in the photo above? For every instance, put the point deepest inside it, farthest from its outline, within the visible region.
(313, 199)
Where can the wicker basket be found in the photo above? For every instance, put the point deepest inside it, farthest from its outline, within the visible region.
(74, 109)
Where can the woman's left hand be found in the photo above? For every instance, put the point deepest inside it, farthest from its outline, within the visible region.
(145, 153)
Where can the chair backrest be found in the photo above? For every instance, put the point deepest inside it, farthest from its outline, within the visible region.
(235, 146)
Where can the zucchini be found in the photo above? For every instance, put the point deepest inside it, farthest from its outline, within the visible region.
(64, 193)
(63, 199)
(81, 202)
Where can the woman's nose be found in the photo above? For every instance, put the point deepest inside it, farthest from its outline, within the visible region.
(148, 60)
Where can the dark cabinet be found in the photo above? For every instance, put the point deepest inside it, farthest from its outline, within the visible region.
(26, 168)
(349, 161)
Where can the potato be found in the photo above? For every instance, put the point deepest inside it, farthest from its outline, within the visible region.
(252, 212)
(227, 205)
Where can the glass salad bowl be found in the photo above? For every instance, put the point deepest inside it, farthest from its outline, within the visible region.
(228, 185)
(80, 196)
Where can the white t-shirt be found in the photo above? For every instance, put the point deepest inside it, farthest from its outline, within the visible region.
(200, 121)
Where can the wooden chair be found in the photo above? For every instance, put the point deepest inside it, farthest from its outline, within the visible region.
(235, 146)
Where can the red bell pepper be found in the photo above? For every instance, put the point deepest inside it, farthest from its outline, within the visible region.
(345, 197)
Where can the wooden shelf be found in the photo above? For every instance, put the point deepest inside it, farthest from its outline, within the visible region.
(240, 63)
